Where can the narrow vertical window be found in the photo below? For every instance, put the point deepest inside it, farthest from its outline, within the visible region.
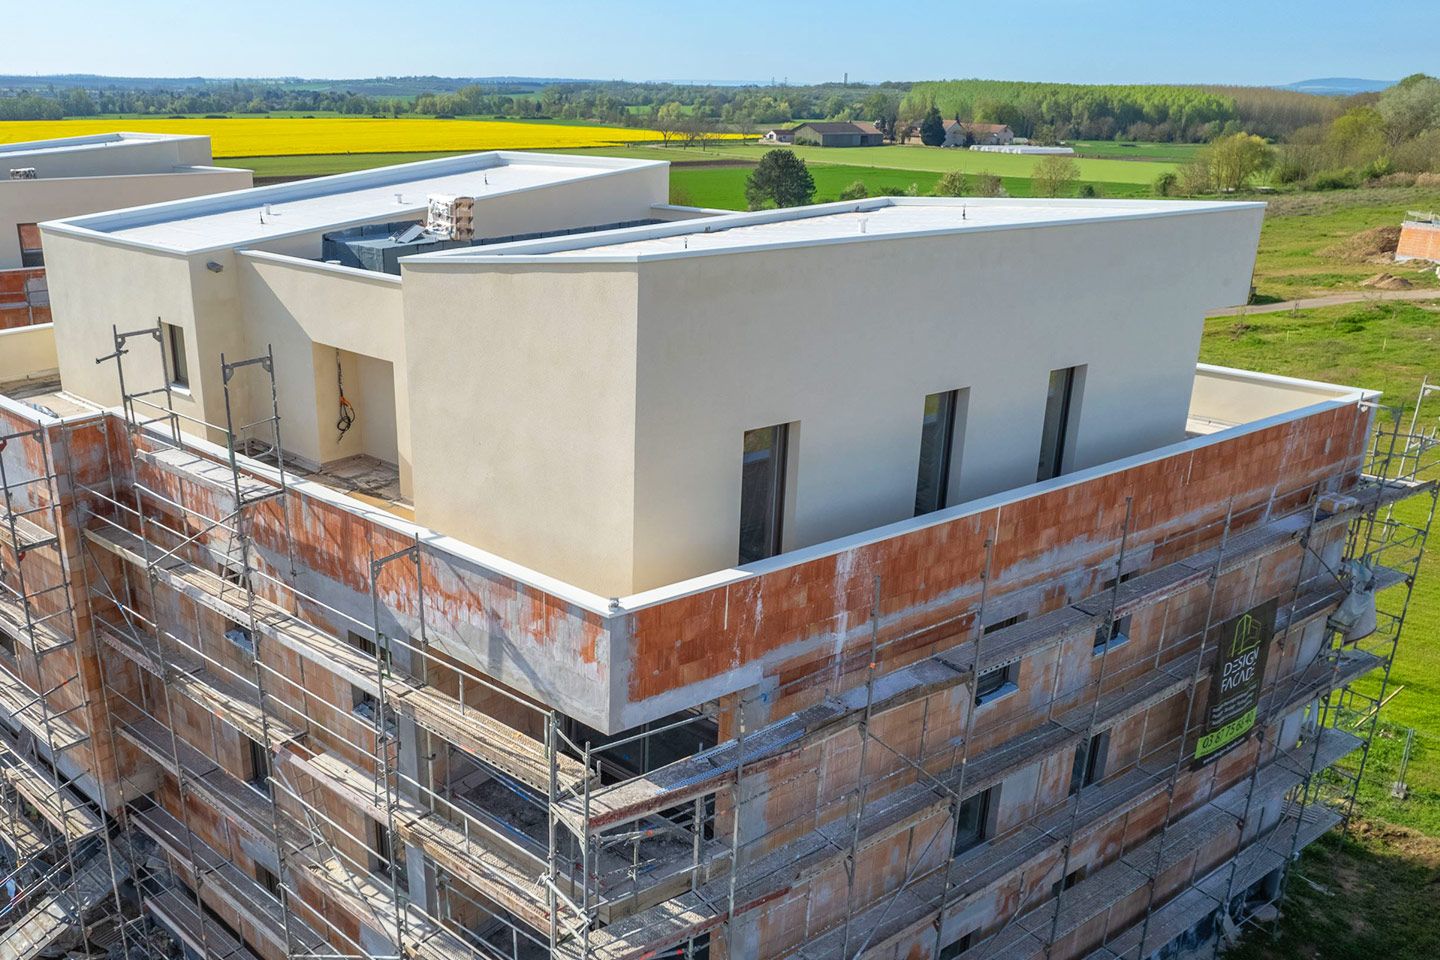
(259, 766)
(973, 823)
(1054, 435)
(1089, 765)
(175, 350)
(762, 492)
(937, 444)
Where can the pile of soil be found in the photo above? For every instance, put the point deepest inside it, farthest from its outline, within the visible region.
(1387, 281)
(1376, 245)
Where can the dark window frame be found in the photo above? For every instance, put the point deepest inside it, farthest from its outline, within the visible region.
(178, 373)
(268, 880)
(984, 807)
(994, 684)
(1090, 760)
(259, 760)
(1111, 635)
(1055, 429)
(955, 948)
(947, 419)
(773, 528)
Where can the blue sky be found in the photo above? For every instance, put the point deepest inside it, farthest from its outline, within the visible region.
(1221, 41)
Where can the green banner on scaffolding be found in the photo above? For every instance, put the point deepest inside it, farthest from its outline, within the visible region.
(1244, 643)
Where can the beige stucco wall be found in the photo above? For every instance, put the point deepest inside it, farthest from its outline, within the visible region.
(26, 352)
(307, 311)
(1228, 397)
(523, 414)
(35, 201)
(845, 339)
(95, 285)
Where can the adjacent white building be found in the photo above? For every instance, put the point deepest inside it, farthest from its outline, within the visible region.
(49, 179)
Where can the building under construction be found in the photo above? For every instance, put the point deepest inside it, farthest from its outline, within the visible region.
(876, 579)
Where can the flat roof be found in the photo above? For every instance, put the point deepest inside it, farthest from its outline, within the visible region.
(844, 222)
(241, 218)
(13, 152)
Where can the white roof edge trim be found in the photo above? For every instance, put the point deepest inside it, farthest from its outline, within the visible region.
(570, 248)
(87, 140)
(95, 226)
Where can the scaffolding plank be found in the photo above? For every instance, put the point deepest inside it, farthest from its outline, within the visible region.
(63, 909)
(20, 704)
(242, 803)
(56, 804)
(24, 839)
(28, 534)
(241, 892)
(500, 869)
(500, 745)
(238, 707)
(369, 900)
(12, 622)
(983, 867)
(1120, 878)
(710, 770)
(175, 909)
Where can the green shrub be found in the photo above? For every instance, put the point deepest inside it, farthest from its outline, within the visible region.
(1335, 180)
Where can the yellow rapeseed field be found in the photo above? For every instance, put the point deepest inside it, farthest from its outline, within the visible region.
(283, 137)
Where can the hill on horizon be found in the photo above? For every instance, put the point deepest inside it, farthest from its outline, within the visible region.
(1338, 86)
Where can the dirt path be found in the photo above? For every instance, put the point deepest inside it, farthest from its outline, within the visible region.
(1330, 300)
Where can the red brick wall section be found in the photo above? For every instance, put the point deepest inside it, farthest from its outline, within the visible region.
(1419, 240)
(16, 306)
(931, 575)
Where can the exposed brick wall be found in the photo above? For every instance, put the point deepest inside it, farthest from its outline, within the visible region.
(23, 299)
(932, 575)
(1420, 241)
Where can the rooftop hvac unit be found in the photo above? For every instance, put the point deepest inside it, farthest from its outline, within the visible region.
(23, 173)
(451, 217)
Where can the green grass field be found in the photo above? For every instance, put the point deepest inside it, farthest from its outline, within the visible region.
(724, 187)
(935, 160)
(1130, 150)
(1296, 259)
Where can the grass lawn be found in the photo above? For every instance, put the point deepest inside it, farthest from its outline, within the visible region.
(1293, 260)
(1130, 150)
(1372, 896)
(724, 187)
(937, 160)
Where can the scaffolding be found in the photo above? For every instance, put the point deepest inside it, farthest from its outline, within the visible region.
(62, 864)
(372, 800)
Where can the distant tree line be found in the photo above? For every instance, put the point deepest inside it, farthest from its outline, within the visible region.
(618, 102)
(1152, 112)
